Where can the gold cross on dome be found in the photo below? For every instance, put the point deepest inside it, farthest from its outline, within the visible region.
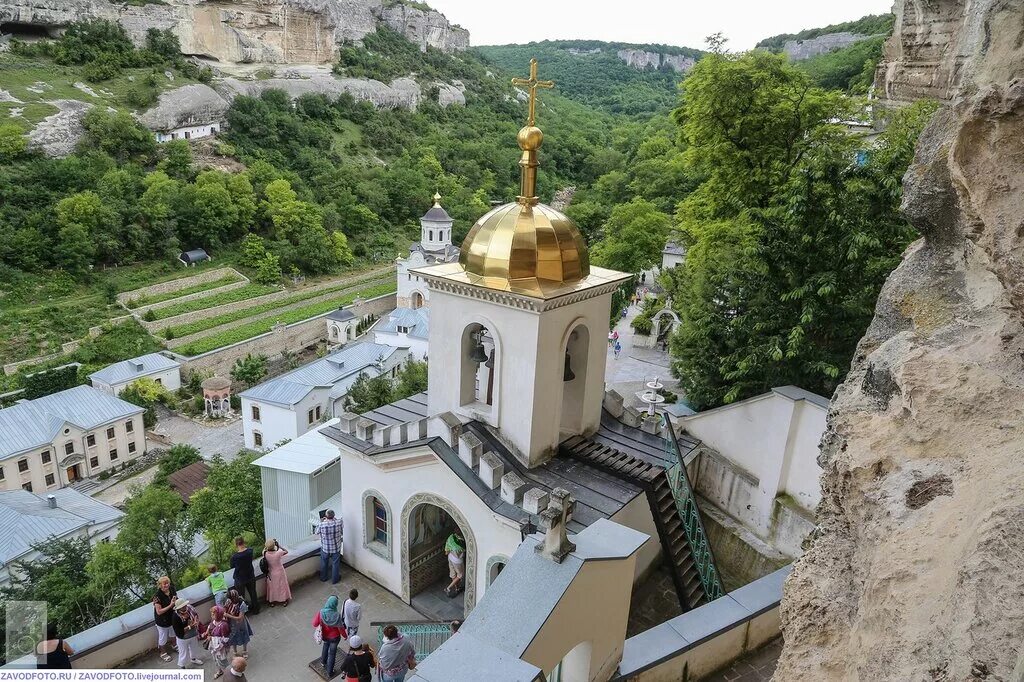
(532, 83)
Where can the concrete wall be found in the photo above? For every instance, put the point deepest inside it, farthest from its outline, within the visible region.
(189, 132)
(409, 283)
(293, 337)
(176, 284)
(275, 424)
(741, 556)
(169, 378)
(637, 515)
(708, 638)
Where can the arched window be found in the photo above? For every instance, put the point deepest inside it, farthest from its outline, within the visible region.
(494, 567)
(430, 238)
(377, 528)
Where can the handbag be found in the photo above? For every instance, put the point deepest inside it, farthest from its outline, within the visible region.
(318, 634)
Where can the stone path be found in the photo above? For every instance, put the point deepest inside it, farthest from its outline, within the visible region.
(653, 603)
(283, 644)
(119, 492)
(758, 666)
(223, 440)
(634, 366)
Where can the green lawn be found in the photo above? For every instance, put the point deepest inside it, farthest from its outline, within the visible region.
(178, 293)
(233, 296)
(247, 331)
(211, 322)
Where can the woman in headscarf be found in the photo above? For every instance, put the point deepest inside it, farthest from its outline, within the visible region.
(332, 630)
(219, 635)
(235, 609)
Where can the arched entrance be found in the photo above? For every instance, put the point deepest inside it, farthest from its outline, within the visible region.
(662, 326)
(427, 521)
(417, 300)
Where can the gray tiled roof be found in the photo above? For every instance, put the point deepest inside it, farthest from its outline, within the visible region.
(436, 214)
(449, 254)
(36, 423)
(128, 370)
(340, 314)
(418, 322)
(290, 388)
(674, 249)
(27, 519)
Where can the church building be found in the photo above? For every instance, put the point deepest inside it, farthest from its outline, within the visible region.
(435, 246)
(512, 425)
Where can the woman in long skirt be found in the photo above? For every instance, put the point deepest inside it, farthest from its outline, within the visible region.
(219, 634)
(235, 609)
(278, 589)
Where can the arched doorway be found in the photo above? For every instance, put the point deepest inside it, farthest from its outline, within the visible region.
(427, 521)
(417, 300)
(574, 380)
(662, 326)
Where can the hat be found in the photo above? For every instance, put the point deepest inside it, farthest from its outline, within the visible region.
(181, 603)
(355, 641)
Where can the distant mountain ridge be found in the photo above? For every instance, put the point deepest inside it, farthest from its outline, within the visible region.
(870, 25)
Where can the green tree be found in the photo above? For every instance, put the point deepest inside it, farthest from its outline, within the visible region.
(75, 250)
(177, 161)
(253, 249)
(148, 394)
(789, 241)
(368, 393)
(412, 379)
(250, 369)
(13, 142)
(268, 270)
(178, 456)
(634, 237)
(118, 134)
(157, 531)
(232, 501)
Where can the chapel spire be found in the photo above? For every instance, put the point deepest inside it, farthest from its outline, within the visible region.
(530, 138)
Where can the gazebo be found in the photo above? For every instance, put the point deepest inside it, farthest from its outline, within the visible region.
(217, 396)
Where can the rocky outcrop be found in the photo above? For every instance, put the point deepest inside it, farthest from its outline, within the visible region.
(812, 47)
(185, 106)
(642, 59)
(401, 93)
(930, 45)
(250, 31)
(59, 134)
(914, 570)
(449, 94)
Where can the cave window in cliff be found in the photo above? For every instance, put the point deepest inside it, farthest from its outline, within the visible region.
(27, 31)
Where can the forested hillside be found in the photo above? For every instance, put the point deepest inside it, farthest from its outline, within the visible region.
(870, 25)
(598, 79)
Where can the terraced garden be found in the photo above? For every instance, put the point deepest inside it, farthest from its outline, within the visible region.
(215, 299)
(143, 301)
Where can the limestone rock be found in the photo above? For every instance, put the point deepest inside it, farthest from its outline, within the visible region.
(453, 93)
(914, 570)
(250, 31)
(185, 106)
(642, 59)
(401, 93)
(812, 47)
(59, 134)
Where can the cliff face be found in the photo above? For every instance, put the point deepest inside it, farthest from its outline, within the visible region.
(250, 31)
(642, 59)
(915, 570)
(805, 49)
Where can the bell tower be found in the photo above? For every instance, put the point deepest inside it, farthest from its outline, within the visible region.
(436, 227)
(518, 325)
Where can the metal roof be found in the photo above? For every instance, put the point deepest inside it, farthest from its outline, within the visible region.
(36, 423)
(340, 314)
(418, 322)
(674, 249)
(135, 368)
(436, 214)
(194, 255)
(290, 388)
(304, 455)
(27, 519)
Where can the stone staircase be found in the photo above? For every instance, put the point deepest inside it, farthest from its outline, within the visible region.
(685, 548)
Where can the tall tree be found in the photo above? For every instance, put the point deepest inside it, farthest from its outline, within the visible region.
(250, 369)
(633, 237)
(157, 531)
(232, 501)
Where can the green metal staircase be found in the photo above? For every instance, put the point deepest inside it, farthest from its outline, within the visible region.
(674, 508)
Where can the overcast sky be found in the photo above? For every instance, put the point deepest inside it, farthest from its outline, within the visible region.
(673, 22)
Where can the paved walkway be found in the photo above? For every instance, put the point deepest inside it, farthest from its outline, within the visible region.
(223, 440)
(283, 644)
(635, 365)
(756, 667)
(119, 492)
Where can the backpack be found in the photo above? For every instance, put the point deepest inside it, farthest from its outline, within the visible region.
(264, 566)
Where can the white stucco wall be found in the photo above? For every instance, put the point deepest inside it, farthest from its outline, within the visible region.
(417, 348)
(409, 283)
(774, 439)
(276, 423)
(397, 478)
(671, 260)
(169, 379)
(192, 132)
(637, 515)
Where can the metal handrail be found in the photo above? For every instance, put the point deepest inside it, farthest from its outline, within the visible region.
(693, 525)
(426, 635)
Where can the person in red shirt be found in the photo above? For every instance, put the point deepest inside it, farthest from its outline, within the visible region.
(333, 630)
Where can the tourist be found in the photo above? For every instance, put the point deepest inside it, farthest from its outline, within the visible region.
(330, 532)
(618, 349)
(396, 656)
(236, 673)
(53, 653)
(218, 634)
(615, 335)
(359, 663)
(235, 609)
(352, 612)
(163, 603)
(218, 583)
(185, 622)
(245, 576)
(455, 547)
(278, 589)
(454, 626)
(611, 339)
(331, 630)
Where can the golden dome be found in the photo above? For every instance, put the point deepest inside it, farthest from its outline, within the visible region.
(521, 245)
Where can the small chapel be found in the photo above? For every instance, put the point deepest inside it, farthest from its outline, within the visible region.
(513, 430)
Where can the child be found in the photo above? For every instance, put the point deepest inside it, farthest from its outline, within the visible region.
(218, 584)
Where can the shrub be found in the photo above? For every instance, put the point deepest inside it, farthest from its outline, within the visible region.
(149, 315)
(104, 475)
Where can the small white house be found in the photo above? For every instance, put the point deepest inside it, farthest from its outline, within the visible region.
(300, 480)
(288, 406)
(341, 326)
(405, 328)
(116, 377)
(672, 255)
(186, 113)
(27, 519)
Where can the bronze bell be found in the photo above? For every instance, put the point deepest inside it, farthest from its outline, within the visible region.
(568, 374)
(478, 354)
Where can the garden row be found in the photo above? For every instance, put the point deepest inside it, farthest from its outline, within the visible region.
(143, 301)
(191, 306)
(257, 327)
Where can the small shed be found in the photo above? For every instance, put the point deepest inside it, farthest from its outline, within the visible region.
(194, 256)
(187, 481)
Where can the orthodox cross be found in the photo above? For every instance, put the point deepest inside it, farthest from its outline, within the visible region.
(532, 83)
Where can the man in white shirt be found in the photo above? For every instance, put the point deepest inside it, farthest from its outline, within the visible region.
(352, 612)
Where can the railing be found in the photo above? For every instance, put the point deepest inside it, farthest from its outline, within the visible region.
(686, 505)
(425, 635)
